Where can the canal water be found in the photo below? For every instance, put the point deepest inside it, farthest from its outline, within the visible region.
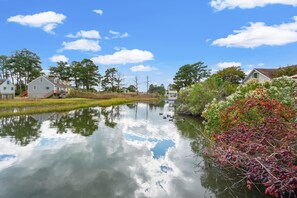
(121, 151)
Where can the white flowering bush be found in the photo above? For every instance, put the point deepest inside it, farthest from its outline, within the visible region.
(283, 89)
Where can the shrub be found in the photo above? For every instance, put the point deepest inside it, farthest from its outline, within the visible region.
(194, 99)
(264, 149)
(281, 89)
(255, 132)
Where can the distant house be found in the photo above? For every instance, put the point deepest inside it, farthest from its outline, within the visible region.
(294, 77)
(7, 90)
(261, 75)
(171, 93)
(46, 87)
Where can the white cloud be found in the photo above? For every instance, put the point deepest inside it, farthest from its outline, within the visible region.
(113, 32)
(116, 35)
(82, 44)
(248, 72)
(98, 11)
(258, 34)
(124, 57)
(245, 4)
(260, 65)
(142, 68)
(228, 64)
(90, 34)
(45, 20)
(117, 48)
(59, 58)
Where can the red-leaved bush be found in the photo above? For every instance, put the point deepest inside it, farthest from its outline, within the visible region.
(259, 137)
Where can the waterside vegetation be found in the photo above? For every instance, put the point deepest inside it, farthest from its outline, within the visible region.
(250, 128)
(22, 107)
(254, 131)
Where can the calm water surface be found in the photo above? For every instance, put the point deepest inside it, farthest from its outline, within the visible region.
(122, 151)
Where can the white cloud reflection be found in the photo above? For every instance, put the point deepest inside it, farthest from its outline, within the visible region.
(112, 162)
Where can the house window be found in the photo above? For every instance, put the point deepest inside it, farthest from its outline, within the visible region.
(4, 88)
(8, 82)
(34, 87)
(11, 88)
(256, 75)
(40, 79)
(47, 88)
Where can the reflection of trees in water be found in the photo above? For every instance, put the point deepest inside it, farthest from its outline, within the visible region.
(224, 183)
(22, 129)
(157, 105)
(110, 114)
(131, 106)
(82, 121)
(191, 128)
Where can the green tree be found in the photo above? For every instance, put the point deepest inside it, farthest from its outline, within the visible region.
(157, 89)
(24, 66)
(286, 71)
(131, 88)
(62, 71)
(109, 80)
(189, 74)
(234, 75)
(89, 76)
(76, 70)
(4, 66)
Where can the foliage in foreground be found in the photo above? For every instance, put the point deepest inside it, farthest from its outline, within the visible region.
(281, 89)
(255, 132)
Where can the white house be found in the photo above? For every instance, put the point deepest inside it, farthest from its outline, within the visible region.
(261, 74)
(46, 87)
(171, 93)
(7, 90)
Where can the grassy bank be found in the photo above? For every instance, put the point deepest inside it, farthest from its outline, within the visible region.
(21, 107)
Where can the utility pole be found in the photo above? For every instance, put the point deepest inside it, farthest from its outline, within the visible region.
(136, 84)
(147, 84)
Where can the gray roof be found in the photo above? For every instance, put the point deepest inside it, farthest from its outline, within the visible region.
(57, 83)
(2, 81)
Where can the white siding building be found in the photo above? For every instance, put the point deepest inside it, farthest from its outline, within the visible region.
(171, 93)
(7, 89)
(261, 75)
(46, 87)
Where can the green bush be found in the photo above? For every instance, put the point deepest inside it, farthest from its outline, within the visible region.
(193, 99)
(282, 89)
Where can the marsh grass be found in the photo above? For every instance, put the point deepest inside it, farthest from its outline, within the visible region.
(108, 95)
(21, 107)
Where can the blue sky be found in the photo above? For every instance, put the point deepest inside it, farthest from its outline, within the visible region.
(153, 37)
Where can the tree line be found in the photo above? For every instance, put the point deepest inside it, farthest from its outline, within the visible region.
(23, 66)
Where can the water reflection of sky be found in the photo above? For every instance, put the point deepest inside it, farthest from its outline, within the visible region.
(142, 156)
